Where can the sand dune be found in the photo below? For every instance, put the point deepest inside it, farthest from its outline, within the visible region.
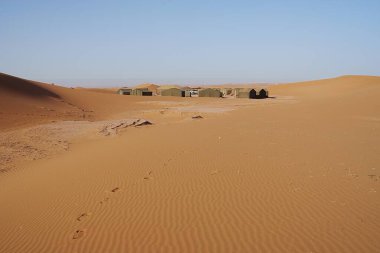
(29, 103)
(297, 173)
(23, 101)
(21, 87)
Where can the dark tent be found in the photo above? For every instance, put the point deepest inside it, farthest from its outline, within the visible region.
(263, 93)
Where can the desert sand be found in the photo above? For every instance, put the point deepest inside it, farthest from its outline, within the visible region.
(298, 172)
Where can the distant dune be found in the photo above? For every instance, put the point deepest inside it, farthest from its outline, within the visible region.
(100, 90)
(332, 86)
(238, 85)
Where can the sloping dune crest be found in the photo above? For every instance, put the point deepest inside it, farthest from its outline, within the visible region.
(332, 87)
(14, 86)
(26, 103)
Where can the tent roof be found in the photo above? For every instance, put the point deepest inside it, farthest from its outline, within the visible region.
(165, 87)
(146, 85)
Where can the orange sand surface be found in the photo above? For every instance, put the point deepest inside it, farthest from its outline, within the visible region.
(82, 171)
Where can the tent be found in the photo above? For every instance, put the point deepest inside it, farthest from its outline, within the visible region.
(246, 93)
(174, 92)
(124, 91)
(142, 92)
(210, 93)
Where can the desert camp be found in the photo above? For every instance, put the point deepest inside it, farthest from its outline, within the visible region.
(177, 91)
(190, 126)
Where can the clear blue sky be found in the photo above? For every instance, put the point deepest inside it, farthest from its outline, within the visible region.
(188, 40)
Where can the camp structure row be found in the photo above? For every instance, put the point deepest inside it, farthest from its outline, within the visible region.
(252, 93)
(175, 92)
(135, 92)
(236, 92)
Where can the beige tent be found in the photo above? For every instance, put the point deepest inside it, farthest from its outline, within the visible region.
(124, 91)
(246, 93)
(150, 86)
(187, 93)
(227, 91)
(142, 92)
(174, 92)
(210, 93)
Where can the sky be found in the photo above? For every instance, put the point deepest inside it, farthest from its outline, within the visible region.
(105, 43)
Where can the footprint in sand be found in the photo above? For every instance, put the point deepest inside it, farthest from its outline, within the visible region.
(373, 177)
(78, 234)
(149, 175)
(167, 162)
(104, 200)
(115, 189)
(83, 215)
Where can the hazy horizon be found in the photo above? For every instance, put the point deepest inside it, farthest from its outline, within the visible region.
(92, 43)
(118, 82)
